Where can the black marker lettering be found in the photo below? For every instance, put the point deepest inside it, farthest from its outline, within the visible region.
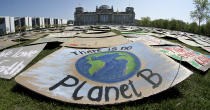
(155, 84)
(100, 92)
(74, 53)
(75, 97)
(82, 52)
(123, 89)
(107, 89)
(62, 82)
(134, 89)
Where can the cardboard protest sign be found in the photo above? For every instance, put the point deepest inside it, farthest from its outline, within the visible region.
(206, 48)
(95, 32)
(6, 43)
(133, 32)
(149, 40)
(63, 35)
(156, 35)
(188, 42)
(96, 42)
(170, 36)
(46, 40)
(35, 36)
(95, 29)
(12, 61)
(201, 42)
(103, 76)
(107, 34)
(196, 59)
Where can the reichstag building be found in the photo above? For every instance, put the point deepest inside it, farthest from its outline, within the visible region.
(104, 15)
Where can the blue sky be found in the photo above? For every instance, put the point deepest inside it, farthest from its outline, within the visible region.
(155, 9)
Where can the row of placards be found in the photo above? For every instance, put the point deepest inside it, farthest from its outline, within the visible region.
(100, 76)
(176, 51)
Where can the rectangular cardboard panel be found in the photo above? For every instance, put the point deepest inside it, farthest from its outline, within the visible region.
(196, 59)
(12, 61)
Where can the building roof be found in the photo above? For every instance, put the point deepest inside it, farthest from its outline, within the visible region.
(104, 7)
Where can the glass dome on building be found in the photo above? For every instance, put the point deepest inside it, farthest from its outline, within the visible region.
(104, 7)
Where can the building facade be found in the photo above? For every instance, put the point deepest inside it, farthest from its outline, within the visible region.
(7, 25)
(49, 22)
(24, 21)
(63, 21)
(38, 21)
(104, 15)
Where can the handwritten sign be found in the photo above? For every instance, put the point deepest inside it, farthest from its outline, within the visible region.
(12, 61)
(196, 59)
(103, 76)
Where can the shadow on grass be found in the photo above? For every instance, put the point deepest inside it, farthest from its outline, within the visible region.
(172, 93)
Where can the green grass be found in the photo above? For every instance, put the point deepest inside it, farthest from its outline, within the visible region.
(193, 93)
(116, 32)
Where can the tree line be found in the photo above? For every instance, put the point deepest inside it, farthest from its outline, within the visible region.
(200, 14)
(177, 25)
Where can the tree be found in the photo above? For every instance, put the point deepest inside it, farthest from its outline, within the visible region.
(145, 21)
(201, 11)
(17, 28)
(193, 27)
(23, 28)
(208, 28)
(47, 25)
(37, 27)
(173, 24)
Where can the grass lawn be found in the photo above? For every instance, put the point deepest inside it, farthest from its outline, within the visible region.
(193, 93)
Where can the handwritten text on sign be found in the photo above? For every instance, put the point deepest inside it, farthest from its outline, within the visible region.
(103, 76)
(12, 61)
(121, 90)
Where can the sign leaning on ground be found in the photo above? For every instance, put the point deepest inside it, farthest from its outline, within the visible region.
(196, 59)
(62, 35)
(6, 43)
(188, 41)
(206, 49)
(103, 76)
(12, 61)
(47, 40)
(96, 35)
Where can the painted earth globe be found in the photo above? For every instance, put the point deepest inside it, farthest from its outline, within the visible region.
(108, 67)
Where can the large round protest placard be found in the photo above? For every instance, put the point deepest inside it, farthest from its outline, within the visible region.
(96, 42)
(95, 32)
(103, 76)
(62, 35)
(96, 35)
